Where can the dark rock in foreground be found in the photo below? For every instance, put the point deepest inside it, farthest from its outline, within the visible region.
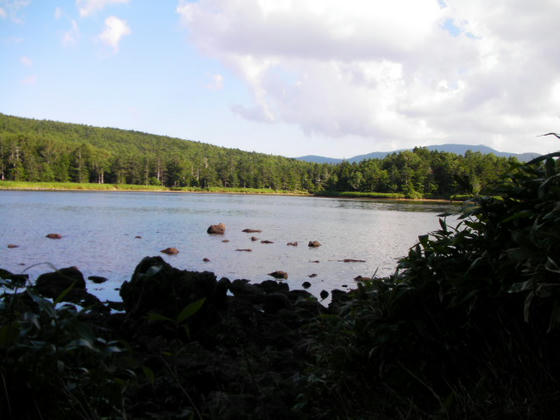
(18, 279)
(53, 284)
(97, 279)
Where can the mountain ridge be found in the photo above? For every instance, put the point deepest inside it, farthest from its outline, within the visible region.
(459, 149)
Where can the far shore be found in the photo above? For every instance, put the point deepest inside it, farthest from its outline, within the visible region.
(71, 186)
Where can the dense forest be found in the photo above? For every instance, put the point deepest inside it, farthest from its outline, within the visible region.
(47, 151)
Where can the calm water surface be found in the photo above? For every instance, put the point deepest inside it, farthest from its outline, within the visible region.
(99, 230)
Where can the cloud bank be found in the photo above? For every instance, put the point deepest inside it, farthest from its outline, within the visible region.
(401, 72)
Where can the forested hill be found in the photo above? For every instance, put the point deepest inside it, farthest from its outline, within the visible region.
(38, 150)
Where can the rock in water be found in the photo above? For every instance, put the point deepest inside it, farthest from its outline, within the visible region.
(279, 274)
(218, 229)
(251, 230)
(306, 285)
(324, 294)
(254, 238)
(54, 236)
(97, 279)
(54, 283)
(13, 246)
(170, 251)
(314, 244)
(158, 287)
(292, 243)
(266, 241)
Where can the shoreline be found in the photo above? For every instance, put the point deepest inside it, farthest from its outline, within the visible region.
(60, 187)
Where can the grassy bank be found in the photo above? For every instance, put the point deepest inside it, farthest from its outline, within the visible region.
(392, 196)
(74, 186)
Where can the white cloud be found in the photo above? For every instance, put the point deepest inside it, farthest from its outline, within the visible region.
(216, 82)
(30, 80)
(26, 61)
(115, 29)
(89, 7)
(70, 37)
(11, 8)
(58, 13)
(391, 72)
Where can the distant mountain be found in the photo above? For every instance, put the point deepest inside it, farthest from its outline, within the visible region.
(459, 149)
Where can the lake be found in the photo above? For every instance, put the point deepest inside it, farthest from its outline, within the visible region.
(99, 235)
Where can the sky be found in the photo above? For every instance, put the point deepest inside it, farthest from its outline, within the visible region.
(291, 77)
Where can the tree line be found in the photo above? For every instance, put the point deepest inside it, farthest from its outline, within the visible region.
(47, 151)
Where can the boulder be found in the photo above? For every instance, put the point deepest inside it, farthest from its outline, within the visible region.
(97, 279)
(54, 236)
(292, 243)
(54, 283)
(306, 285)
(324, 294)
(218, 229)
(251, 230)
(18, 279)
(170, 251)
(160, 288)
(279, 274)
(314, 244)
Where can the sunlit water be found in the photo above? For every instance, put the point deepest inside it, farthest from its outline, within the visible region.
(99, 232)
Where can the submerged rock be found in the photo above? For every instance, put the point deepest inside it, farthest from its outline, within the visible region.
(218, 229)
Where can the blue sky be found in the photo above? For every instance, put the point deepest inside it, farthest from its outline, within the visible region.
(288, 77)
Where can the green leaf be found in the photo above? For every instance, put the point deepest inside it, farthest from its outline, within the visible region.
(149, 374)
(153, 316)
(190, 310)
(64, 293)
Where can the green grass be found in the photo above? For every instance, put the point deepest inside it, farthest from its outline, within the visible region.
(22, 185)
